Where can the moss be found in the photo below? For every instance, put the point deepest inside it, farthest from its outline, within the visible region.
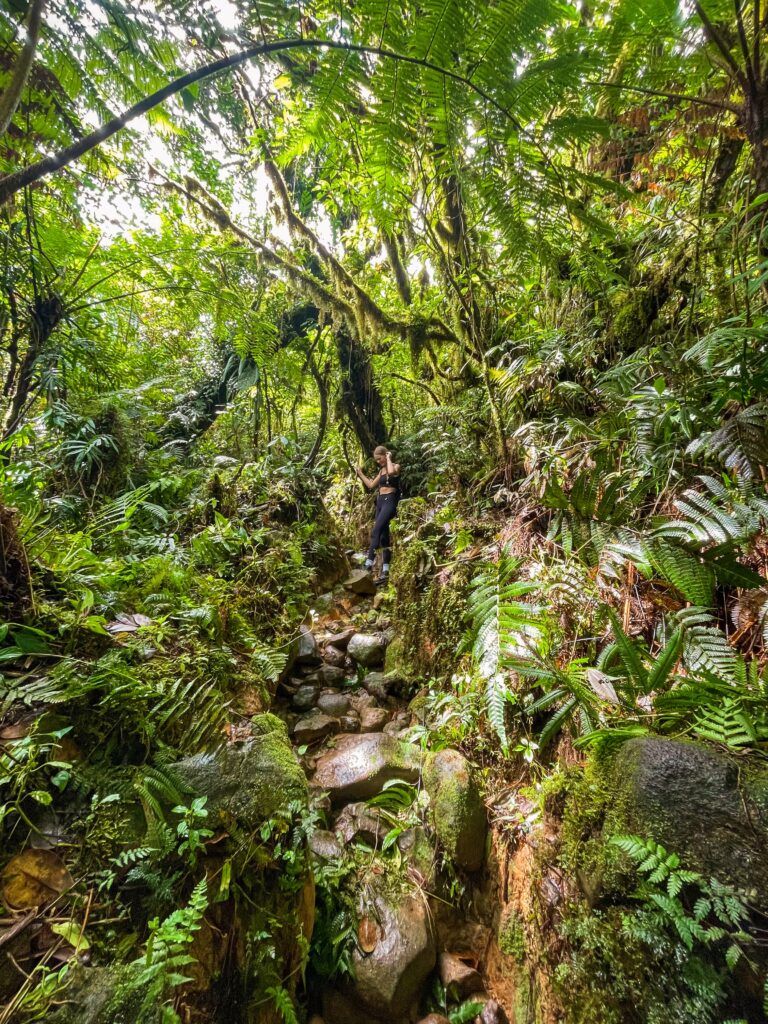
(512, 940)
(429, 613)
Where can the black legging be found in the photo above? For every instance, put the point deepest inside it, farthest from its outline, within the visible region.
(386, 510)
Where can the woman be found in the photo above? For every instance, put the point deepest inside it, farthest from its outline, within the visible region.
(388, 483)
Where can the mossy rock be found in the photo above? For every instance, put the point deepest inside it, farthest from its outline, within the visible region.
(103, 995)
(700, 803)
(458, 812)
(246, 783)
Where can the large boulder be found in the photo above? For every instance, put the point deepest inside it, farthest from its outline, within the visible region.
(245, 782)
(359, 765)
(367, 649)
(388, 979)
(698, 802)
(458, 813)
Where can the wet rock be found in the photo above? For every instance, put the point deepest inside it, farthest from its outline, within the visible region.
(367, 649)
(335, 704)
(247, 782)
(373, 719)
(400, 722)
(389, 979)
(305, 697)
(359, 821)
(379, 685)
(330, 675)
(349, 723)
(325, 845)
(342, 638)
(307, 649)
(358, 766)
(360, 581)
(460, 980)
(315, 726)
(699, 802)
(359, 701)
(334, 656)
(457, 809)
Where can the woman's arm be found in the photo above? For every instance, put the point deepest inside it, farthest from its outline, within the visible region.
(393, 468)
(370, 484)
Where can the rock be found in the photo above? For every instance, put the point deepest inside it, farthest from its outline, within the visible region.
(334, 656)
(314, 726)
(342, 638)
(699, 803)
(378, 684)
(389, 979)
(491, 1013)
(349, 723)
(434, 1018)
(330, 675)
(358, 766)
(325, 845)
(333, 704)
(360, 581)
(373, 719)
(359, 701)
(460, 980)
(247, 782)
(415, 845)
(458, 813)
(399, 722)
(305, 697)
(323, 602)
(358, 821)
(367, 649)
(307, 650)
(379, 600)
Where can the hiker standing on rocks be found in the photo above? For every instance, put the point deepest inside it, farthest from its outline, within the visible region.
(388, 483)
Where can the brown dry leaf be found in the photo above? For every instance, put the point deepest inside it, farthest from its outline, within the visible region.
(16, 731)
(34, 877)
(368, 934)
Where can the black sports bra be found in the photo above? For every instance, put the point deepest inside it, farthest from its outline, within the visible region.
(388, 481)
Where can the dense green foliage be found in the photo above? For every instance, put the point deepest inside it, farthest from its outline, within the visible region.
(522, 242)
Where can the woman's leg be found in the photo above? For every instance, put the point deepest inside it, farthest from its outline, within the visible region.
(386, 507)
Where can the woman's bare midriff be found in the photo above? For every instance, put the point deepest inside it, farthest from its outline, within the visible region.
(387, 490)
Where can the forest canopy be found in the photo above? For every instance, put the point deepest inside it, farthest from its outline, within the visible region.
(521, 244)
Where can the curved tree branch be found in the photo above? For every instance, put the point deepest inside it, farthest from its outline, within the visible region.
(10, 98)
(13, 183)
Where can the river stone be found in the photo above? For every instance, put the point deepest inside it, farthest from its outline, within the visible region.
(246, 782)
(333, 704)
(687, 796)
(458, 812)
(305, 697)
(358, 766)
(367, 649)
(373, 719)
(389, 980)
(360, 581)
(307, 651)
(314, 726)
(342, 638)
(359, 821)
(459, 979)
(334, 656)
(349, 723)
(379, 685)
(325, 845)
(330, 675)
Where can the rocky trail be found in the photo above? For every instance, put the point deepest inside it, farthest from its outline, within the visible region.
(357, 736)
